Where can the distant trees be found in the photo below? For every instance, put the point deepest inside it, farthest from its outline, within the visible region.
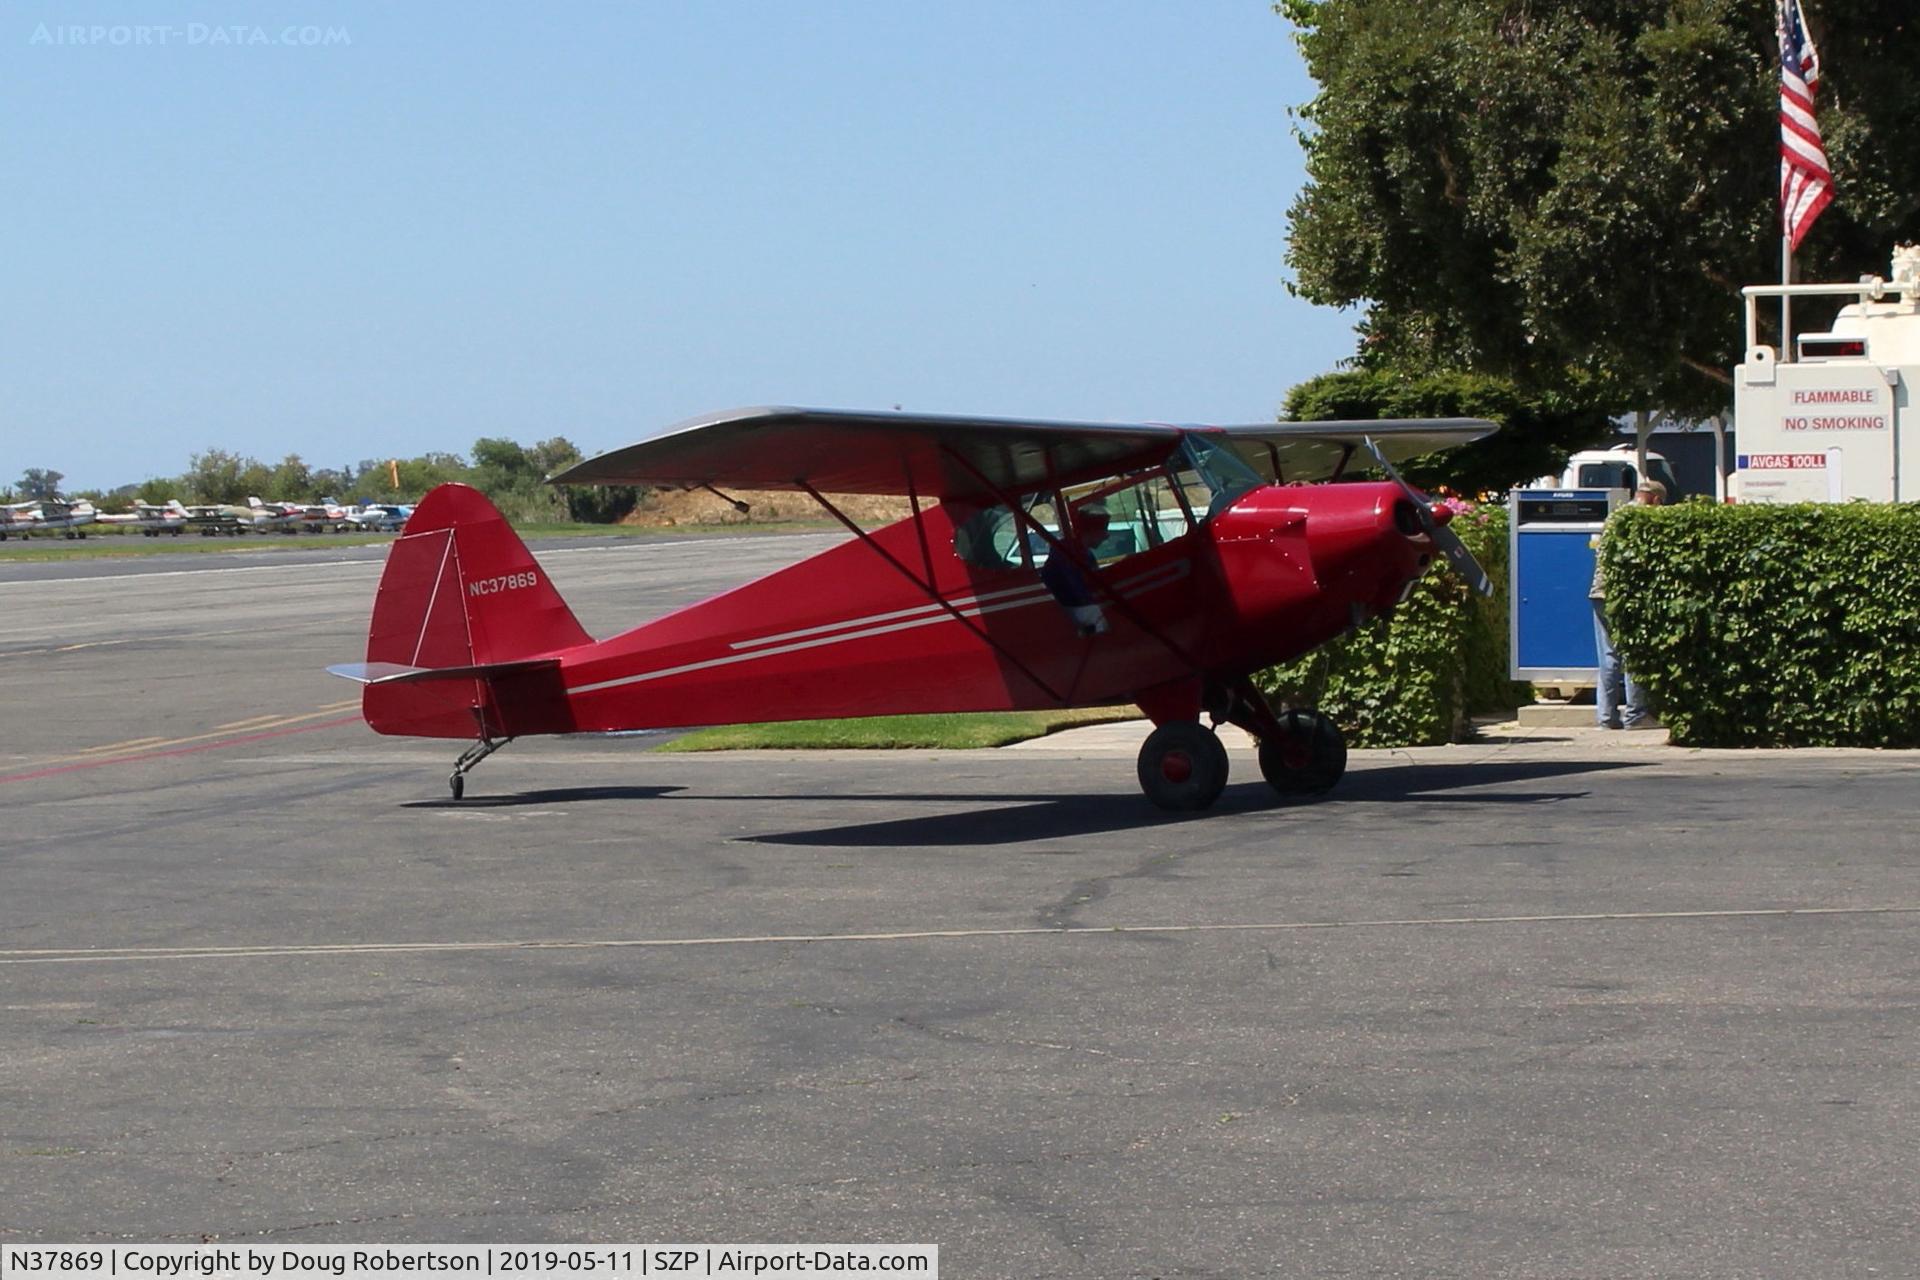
(159, 491)
(40, 484)
(291, 476)
(515, 479)
(512, 475)
(214, 476)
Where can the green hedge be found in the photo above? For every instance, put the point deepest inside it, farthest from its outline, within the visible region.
(1771, 625)
(1411, 678)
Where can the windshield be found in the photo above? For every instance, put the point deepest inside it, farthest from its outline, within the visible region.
(1223, 472)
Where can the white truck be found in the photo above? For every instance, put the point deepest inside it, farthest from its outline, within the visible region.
(1609, 469)
(1834, 422)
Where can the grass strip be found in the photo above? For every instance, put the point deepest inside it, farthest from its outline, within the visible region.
(957, 732)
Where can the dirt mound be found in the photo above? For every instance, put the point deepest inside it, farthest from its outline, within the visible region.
(666, 508)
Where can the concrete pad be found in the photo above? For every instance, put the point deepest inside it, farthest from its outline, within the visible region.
(1556, 715)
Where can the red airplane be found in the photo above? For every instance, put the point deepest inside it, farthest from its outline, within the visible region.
(1045, 565)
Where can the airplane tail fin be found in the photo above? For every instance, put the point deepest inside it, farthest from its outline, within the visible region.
(467, 629)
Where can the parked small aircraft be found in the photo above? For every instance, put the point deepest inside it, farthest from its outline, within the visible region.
(17, 519)
(213, 518)
(324, 516)
(379, 515)
(151, 519)
(1065, 564)
(70, 518)
(268, 517)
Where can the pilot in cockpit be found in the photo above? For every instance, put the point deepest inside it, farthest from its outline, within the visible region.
(1071, 570)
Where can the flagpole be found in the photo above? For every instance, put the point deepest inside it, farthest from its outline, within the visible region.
(1786, 301)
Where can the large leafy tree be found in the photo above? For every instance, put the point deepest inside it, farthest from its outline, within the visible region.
(1571, 193)
(41, 482)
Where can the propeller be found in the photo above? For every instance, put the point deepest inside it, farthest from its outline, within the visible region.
(1444, 538)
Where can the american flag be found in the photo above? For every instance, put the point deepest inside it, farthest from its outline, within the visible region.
(1806, 185)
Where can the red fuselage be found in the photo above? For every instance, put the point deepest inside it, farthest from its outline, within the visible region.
(1280, 571)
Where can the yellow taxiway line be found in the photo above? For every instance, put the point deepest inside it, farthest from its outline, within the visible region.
(139, 746)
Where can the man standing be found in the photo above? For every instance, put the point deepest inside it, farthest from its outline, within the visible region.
(1613, 679)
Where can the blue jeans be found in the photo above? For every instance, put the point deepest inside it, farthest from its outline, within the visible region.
(1613, 681)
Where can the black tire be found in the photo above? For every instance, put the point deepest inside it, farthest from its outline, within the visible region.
(1182, 766)
(457, 784)
(1309, 757)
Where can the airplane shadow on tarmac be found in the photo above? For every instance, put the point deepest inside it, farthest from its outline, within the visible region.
(550, 795)
(1056, 817)
(1052, 817)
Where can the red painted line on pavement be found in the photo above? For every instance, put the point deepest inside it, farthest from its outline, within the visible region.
(178, 751)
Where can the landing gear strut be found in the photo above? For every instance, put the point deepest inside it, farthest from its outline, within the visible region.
(1301, 750)
(473, 755)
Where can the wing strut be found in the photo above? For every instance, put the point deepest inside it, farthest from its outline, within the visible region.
(928, 586)
(1099, 579)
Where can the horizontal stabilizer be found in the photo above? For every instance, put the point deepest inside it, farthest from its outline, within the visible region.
(400, 673)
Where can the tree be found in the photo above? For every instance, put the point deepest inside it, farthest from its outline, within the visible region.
(550, 456)
(291, 481)
(158, 491)
(255, 480)
(41, 484)
(514, 479)
(1571, 195)
(587, 504)
(215, 476)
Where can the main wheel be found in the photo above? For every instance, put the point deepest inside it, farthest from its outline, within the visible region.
(457, 783)
(1308, 756)
(1183, 766)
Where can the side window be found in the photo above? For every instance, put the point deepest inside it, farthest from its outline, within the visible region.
(988, 539)
(1117, 519)
(992, 538)
(1124, 518)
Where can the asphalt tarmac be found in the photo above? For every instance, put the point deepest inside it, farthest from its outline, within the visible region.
(1573, 1007)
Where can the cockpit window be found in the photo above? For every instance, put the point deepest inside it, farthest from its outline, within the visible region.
(1139, 512)
(993, 539)
(1122, 517)
(1223, 471)
(1142, 511)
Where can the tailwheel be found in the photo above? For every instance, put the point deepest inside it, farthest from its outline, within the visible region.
(1183, 766)
(1306, 757)
(473, 755)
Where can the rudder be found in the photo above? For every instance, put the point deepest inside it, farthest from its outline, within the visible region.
(461, 590)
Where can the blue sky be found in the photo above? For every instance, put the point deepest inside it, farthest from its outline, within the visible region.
(596, 219)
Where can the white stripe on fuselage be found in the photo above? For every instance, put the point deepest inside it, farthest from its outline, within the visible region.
(880, 624)
(1035, 591)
